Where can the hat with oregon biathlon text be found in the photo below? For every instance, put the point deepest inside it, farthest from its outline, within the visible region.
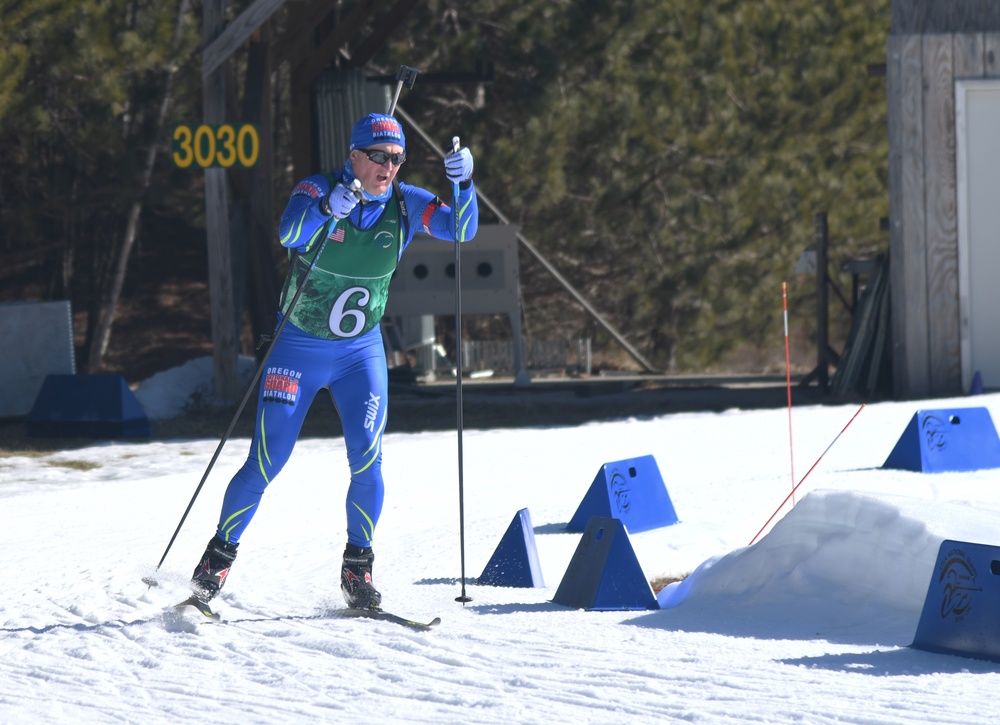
(376, 128)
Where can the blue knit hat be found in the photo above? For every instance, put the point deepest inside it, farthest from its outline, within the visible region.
(376, 128)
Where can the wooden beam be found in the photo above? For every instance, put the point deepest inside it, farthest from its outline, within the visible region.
(484, 73)
(216, 51)
(304, 74)
(302, 131)
(992, 50)
(321, 57)
(264, 285)
(941, 215)
(942, 17)
(220, 282)
(307, 59)
(297, 40)
(367, 50)
(907, 233)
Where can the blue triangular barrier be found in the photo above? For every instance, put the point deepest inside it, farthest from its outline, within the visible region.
(631, 490)
(515, 561)
(94, 406)
(963, 599)
(604, 572)
(977, 384)
(958, 439)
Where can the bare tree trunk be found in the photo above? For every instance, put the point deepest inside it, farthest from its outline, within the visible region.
(103, 333)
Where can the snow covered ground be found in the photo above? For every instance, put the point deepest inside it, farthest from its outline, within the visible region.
(809, 625)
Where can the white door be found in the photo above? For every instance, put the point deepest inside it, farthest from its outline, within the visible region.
(977, 126)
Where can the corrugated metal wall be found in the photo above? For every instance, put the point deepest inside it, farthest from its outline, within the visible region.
(342, 97)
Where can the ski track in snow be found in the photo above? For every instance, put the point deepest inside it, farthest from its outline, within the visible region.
(809, 625)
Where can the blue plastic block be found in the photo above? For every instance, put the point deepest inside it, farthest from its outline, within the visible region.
(958, 439)
(632, 491)
(93, 406)
(604, 573)
(961, 613)
(515, 561)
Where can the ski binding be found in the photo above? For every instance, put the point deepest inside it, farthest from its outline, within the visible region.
(199, 605)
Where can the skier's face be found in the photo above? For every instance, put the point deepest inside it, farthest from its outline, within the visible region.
(375, 178)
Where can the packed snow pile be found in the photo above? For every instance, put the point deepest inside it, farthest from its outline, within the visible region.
(179, 390)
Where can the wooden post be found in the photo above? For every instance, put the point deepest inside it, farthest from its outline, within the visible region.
(822, 300)
(220, 282)
(264, 284)
(825, 355)
(301, 109)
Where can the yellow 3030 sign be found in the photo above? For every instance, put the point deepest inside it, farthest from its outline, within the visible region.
(210, 145)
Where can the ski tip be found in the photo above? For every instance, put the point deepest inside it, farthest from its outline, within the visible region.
(384, 616)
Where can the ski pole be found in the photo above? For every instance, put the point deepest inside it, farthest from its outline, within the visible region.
(405, 75)
(456, 211)
(356, 188)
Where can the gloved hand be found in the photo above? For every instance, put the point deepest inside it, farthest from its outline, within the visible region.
(339, 202)
(458, 166)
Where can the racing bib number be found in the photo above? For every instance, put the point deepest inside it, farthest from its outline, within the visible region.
(353, 318)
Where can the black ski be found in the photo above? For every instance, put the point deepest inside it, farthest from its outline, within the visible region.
(205, 608)
(200, 606)
(193, 601)
(384, 616)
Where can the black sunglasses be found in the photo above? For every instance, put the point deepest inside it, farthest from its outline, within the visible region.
(380, 157)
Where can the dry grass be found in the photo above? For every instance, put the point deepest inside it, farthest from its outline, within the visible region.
(74, 465)
(658, 584)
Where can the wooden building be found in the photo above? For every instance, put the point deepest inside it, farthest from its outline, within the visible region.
(943, 84)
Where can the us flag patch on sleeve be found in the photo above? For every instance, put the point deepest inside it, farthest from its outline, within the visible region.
(337, 235)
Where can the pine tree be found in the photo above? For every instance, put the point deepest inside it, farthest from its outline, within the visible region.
(668, 155)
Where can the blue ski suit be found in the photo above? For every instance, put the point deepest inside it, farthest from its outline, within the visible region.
(332, 338)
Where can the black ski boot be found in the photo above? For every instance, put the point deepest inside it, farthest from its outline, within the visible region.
(356, 579)
(211, 573)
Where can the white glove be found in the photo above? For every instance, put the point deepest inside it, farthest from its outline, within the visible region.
(339, 202)
(458, 166)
